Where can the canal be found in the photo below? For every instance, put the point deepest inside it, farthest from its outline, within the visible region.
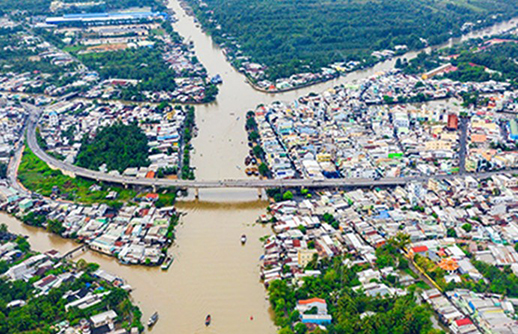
(212, 272)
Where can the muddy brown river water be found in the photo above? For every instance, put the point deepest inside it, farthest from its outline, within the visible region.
(212, 272)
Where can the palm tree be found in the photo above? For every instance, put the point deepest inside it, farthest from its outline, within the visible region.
(81, 264)
(401, 240)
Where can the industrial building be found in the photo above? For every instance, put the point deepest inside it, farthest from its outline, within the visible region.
(104, 18)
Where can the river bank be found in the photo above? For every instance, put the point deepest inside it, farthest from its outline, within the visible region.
(35, 279)
(195, 13)
(212, 272)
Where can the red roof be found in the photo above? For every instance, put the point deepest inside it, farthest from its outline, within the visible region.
(46, 280)
(152, 196)
(420, 249)
(312, 300)
(150, 174)
(463, 322)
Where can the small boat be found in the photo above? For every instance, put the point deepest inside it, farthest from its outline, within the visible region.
(207, 320)
(243, 239)
(216, 80)
(152, 320)
(167, 263)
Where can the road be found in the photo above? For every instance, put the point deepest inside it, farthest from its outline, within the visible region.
(463, 126)
(227, 183)
(12, 168)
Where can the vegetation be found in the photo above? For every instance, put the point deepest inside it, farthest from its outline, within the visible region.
(3, 171)
(32, 6)
(17, 55)
(500, 58)
(467, 227)
(187, 171)
(143, 64)
(37, 176)
(501, 281)
(43, 310)
(118, 146)
(432, 269)
(287, 196)
(42, 7)
(475, 60)
(390, 314)
(296, 35)
(173, 222)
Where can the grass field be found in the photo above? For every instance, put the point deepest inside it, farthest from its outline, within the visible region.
(38, 177)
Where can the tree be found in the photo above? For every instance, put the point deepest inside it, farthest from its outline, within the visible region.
(115, 297)
(55, 226)
(118, 146)
(253, 136)
(258, 151)
(388, 99)
(263, 169)
(285, 330)
(401, 240)
(23, 244)
(451, 233)
(300, 328)
(3, 171)
(287, 196)
(81, 264)
(251, 124)
(162, 106)
(467, 227)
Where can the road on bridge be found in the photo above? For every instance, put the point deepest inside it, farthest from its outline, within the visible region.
(235, 183)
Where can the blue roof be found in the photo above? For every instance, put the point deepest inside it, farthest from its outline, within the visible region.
(102, 16)
(95, 15)
(384, 214)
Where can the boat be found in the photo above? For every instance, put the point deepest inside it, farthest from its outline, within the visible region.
(152, 320)
(243, 239)
(167, 263)
(216, 80)
(207, 320)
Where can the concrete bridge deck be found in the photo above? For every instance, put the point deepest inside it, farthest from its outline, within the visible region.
(229, 183)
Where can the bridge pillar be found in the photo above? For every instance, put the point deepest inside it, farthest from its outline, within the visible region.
(125, 186)
(259, 193)
(197, 193)
(154, 188)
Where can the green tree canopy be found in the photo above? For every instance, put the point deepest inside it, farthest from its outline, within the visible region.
(118, 146)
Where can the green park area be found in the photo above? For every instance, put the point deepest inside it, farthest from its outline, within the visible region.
(38, 177)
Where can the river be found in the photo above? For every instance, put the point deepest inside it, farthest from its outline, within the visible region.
(212, 272)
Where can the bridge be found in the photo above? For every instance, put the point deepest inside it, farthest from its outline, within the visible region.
(71, 253)
(259, 184)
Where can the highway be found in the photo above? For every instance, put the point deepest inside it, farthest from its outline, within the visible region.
(229, 183)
